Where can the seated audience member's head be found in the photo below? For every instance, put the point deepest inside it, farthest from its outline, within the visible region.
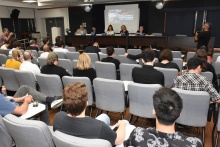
(202, 54)
(194, 64)
(46, 41)
(47, 48)
(96, 44)
(52, 58)
(153, 45)
(110, 51)
(58, 38)
(28, 55)
(32, 42)
(167, 106)
(16, 55)
(123, 27)
(75, 98)
(148, 56)
(84, 62)
(60, 44)
(166, 55)
(16, 44)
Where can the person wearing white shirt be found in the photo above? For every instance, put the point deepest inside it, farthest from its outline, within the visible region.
(5, 45)
(27, 65)
(47, 49)
(15, 45)
(60, 47)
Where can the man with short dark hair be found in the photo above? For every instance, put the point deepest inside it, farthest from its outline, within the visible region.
(60, 47)
(147, 74)
(32, 46)
(93, 49)
(76, 123)
(167, 108)
(5, 36)
(46, 42)
(192, 80)
(15, 46)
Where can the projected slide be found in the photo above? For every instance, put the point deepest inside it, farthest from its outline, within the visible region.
(118, 15)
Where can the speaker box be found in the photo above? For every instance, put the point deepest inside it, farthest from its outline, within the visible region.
(14, 14)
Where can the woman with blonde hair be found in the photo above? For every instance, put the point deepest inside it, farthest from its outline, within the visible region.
(83, 67)
(124, 31)
(15, 61)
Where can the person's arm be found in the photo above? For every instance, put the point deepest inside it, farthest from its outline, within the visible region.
(120, 132)
(22, 109)
(133, 57)
(214, 95)
(196, 36)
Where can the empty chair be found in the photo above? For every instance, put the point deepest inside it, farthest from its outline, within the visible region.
(157, 34)
(208, 75)
(169, 74)
(39, 53)
(195, 108)
(71, 48)
(214, 57)
(101, 56)
(103, 50)
(141, 99)
(126, 71)
(42, 61)
(63, 140)
(105, 70)
(28, 133)
(26, 78)
(134, 51)
(66, 64)
(190, 55)
(74, 63)
(110, 95)
(124, 59)
(9, 79)
(176, 54)
(72, 55)
(94, 57)
(50, 85)
(119, 51)
(179, 62)
(61, 55)
(3, 58)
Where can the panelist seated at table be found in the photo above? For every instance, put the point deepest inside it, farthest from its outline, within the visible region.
(18, 105)
(81, 31)
(124, 31)
(141, 31)
(93, 31)
(110, 31)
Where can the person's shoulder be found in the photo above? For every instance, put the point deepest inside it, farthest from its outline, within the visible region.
(60, 116)
(188, 140)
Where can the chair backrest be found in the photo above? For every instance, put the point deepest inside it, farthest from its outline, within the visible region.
(208, 75)
(66, 64)
(71, 48)
(35, 53)
(110, 94)
(103, 50)
(217, 67)
(179, 62)
(72, 55)
(124, 59)
(126, 71)
(190, 55)
(94, 57)
(9, 56)
(35, 61)
(101, 56)
(50, 85)
(74, 63)
(42, 61)
(9, 79)
(61, 55)
(3, 58)
(26, 78)
(28, 133)
(105, 70)
(5, 139)
(169, 74)
(195, 107)
(63, 140)
(176, 54)
(134, 51)
(119, 51)
(39, 53)
(4, 51)
(141, 99)
(214, 57)
(69, 80)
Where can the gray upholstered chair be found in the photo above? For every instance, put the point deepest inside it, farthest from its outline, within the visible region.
(126, 71)
(176, 54)
(105, 70)
(195, 109)
(42, 61)
(101, 56)
(72, 55)
(4, 51)
(103, 50)
(190, 55)
(119, 51)
(39, 53)
(74, 63)
(66, 64)
(61, 55)
(94, 57)
(124, 59)
(69, 80)
(35, 53)
(63, 140)
(35, 61)
(218, 130)
(9, 56)
(208, 75)
(5, 139)
(169, 75)
(26, 78)
(9, 79)
(134, 51)
(110, 95)
(28, 133)
(217, 67)
(71, 48)
(179, 62)
(50, 85)
(214, 58)
(141, 99)
(3, 58)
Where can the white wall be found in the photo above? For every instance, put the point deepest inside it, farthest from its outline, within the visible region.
(50, 13)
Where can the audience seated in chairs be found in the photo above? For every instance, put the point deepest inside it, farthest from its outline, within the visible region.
(167, 108)
(166, 57)
(76, 123)
(60, 47)
(32, 46)
(52, 68)
(147, 74)
(16, 60)
(192, 80)
(83, 68)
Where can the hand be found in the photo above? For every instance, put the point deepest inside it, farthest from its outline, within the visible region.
(126, 54)
(28, 99)
(121, 123)
(10, 33)
(196, 33)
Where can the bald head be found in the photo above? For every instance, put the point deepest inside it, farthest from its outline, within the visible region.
(27, 55)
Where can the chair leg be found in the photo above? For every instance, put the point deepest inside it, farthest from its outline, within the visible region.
(203, 135)
(90, 114)
(136, 119)
(122, 116)
(216, 140)
(130, 119)
(97, 113)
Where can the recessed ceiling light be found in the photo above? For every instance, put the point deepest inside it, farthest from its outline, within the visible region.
(29, 1)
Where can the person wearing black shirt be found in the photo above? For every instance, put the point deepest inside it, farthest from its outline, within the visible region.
(32, 46)
(124, 31)
(52, 68)
(93, 49)
(141, 31)
(147, 74)
(203, 37)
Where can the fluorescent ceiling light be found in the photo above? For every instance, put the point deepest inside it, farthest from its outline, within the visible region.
(29, 1)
